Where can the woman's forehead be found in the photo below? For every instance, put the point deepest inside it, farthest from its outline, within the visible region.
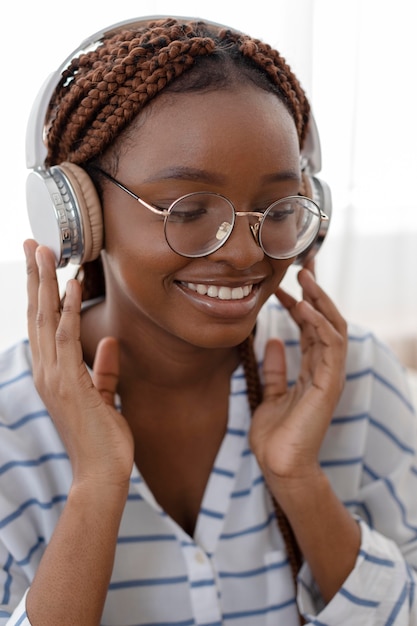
(214, 126)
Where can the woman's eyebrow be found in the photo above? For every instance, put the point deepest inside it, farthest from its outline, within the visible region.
(282, 176)
(205, 176)
(186, 173)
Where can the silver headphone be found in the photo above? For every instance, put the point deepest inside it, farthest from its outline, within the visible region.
(62, 202)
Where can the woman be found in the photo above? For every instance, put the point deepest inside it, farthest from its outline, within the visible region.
(136, 487)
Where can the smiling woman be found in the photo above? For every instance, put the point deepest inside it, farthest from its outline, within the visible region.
(170, 140)
(183, 441)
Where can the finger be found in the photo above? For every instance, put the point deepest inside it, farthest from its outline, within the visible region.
(274, 369)
(49, 306)
(328, 345)
(302, 312)
(67, 334)
(290, 303)
(106, 369)
(319, 299)
(310, 265)
(315, 323)
(32, 287)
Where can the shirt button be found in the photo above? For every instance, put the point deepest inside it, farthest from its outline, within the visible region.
(200, 558)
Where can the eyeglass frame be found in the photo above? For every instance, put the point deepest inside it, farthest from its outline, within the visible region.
(254, 228)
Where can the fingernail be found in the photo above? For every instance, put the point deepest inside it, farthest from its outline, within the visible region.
(26, 247)
(38, 255)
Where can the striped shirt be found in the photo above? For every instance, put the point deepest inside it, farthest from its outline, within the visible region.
(234, 571)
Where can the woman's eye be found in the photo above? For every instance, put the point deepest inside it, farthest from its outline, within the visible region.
(280, 214)
(186, 213)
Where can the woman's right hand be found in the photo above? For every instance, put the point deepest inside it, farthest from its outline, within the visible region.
(97, 438)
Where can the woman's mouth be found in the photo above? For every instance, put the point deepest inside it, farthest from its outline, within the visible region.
(222, 292)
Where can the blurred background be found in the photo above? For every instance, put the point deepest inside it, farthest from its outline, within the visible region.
(356, 60)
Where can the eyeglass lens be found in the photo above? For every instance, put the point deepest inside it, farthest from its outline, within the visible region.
(200, 223)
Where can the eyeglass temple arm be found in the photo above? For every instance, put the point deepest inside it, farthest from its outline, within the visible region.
(152, 208)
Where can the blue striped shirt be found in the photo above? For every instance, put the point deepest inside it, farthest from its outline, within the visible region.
(234, 571)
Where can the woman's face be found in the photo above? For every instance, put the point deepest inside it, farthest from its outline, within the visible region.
(241, 144)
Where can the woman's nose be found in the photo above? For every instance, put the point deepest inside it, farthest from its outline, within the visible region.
(241, 250)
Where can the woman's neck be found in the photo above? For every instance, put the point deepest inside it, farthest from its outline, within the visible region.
(156, 359)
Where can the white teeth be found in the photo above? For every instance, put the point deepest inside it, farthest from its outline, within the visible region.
(237, 293)
(213, 291)
(225, 293)
(222, 292)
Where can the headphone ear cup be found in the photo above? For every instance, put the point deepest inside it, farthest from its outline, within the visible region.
(89, 210)
(65, 213)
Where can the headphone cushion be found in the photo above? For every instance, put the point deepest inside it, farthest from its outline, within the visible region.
(89, 207)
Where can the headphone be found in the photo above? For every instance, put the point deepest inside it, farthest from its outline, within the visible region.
(62, 202)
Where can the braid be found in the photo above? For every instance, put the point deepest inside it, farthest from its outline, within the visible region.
(254, 391)
(103, 90)
(271, 62)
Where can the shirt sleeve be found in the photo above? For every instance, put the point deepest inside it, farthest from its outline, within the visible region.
(35, 473)
(18, 617)
(379, 590)
(13, 591)
(381, 587)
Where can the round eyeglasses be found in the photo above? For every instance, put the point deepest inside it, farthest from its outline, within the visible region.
(199, 223)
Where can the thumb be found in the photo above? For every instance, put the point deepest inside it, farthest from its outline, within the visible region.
(274, 369)
(106, 369)
(310, 265)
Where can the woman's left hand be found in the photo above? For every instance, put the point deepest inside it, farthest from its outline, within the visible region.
(289, 425)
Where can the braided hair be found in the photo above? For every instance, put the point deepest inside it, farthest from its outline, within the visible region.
(103, 90)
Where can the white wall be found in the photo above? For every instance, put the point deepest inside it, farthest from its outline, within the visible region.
(13, 307)
(14, 302)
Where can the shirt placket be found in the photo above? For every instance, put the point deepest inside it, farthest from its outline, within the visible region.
(203, 588)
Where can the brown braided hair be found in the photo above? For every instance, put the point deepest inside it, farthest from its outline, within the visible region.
(103, 90)
(254, 393)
